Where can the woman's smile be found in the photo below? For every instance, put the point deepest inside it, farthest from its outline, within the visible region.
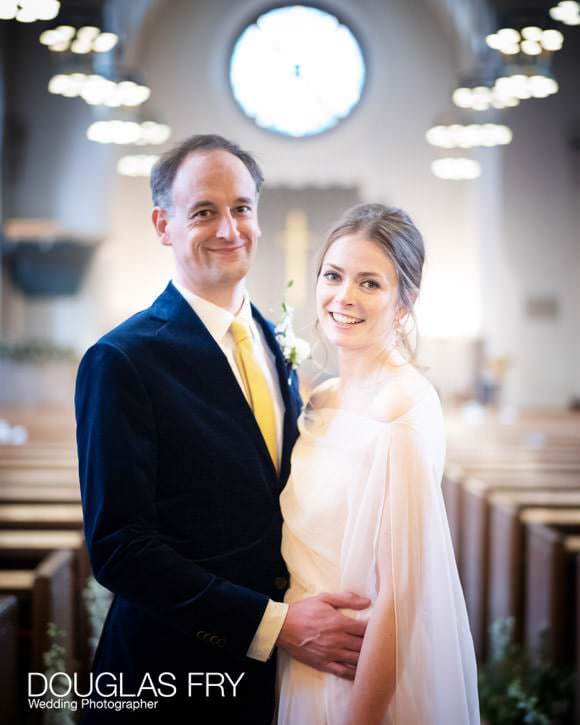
(343, 320)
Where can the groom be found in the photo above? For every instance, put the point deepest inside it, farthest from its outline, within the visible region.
(186, 418)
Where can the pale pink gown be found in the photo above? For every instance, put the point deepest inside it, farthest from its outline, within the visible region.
(360, 485)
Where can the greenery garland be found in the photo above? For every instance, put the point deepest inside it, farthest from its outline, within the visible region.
(517, 687)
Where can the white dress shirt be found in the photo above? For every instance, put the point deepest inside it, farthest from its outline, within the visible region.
(217, 321)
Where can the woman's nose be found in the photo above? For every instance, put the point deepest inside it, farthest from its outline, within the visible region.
(344, 294)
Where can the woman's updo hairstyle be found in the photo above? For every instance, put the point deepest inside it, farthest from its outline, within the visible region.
(393, 230)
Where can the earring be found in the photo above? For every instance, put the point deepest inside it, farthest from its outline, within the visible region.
(398, 330)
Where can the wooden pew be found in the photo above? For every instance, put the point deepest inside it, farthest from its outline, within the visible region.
(494, 474)
(38, 476)
(64, 463)
(507, 560)
(44, 423)
(499, 455)
(29, 544)
(9, 662)
(18, 548)
(46, 591)
(474, 566)
(33, 493)
(552, 550)
(41, 516)
(35, 451)
(536, 432)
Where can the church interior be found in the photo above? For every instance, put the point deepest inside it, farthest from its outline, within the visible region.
(463, 113)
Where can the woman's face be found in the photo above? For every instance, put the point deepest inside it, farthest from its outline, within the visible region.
(357, 294)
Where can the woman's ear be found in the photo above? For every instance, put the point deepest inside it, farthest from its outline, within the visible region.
(405, 310)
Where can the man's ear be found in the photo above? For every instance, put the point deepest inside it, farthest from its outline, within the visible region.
(159, 218)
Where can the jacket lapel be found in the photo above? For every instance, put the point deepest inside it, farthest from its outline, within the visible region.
(291, 397)
(209, 364)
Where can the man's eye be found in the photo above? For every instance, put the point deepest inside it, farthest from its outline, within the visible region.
(244, 209)
(201, 214)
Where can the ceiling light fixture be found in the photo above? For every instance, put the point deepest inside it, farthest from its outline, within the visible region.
(531, 40)
(137, 133)
(29, 11)
(97, 90)
(457, 135)
(481, 98)
(83, 40)
(567, 12)
(524, 83)
(136, 165)
(456, 169)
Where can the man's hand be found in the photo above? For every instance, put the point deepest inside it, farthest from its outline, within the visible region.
(316, 633)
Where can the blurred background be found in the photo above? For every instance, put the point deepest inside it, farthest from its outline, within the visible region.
(340, 103)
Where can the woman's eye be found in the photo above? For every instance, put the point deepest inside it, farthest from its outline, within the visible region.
(371, 284)
(331, 276)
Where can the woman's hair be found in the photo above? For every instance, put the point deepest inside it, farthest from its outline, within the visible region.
(400, 240)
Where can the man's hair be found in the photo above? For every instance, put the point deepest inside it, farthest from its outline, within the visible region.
(164, 172)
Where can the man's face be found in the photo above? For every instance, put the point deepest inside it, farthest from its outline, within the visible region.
(212, 224)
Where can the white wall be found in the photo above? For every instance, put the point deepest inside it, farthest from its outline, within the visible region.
(533, 248)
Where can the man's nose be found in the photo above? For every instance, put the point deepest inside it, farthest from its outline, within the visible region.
(227, 227)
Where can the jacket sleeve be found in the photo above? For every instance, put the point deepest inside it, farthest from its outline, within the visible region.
(118, 458)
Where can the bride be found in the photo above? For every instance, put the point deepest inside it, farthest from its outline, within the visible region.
(363, 509)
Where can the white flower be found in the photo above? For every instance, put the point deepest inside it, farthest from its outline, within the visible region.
(301, 350)
(295, 349)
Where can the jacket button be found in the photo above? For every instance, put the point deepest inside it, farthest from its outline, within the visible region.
(221, 642)
(280, 582)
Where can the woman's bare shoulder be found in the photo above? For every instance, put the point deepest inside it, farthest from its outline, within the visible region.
(401, 393)
(324, 394)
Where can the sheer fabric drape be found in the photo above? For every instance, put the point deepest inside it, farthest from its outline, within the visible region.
(363, 509)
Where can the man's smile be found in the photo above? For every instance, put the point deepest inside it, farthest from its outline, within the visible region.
(229, 250)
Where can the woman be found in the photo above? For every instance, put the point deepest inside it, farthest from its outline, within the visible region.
(363, 509)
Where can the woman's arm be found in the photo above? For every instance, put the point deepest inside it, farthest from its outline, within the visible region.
(375, 679)
(393, 617)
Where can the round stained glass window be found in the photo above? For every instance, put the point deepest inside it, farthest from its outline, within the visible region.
(297, 70)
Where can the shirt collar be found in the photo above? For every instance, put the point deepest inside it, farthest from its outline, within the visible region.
(216, 319)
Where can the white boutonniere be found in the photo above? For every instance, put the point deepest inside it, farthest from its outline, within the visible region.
(295, 349)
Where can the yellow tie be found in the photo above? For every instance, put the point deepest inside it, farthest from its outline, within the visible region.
(256, 386)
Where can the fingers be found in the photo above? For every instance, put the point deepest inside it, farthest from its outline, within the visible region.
(348, 625)
(352, 644)
(355, 627)
(345, 672)
(346, 600)
(348, 657)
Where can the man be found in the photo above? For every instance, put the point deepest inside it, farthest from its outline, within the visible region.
(186, 418)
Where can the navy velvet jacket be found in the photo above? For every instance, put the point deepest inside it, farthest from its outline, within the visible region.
(180, 497)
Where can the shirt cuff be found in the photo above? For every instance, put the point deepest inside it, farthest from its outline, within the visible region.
(268, 630)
